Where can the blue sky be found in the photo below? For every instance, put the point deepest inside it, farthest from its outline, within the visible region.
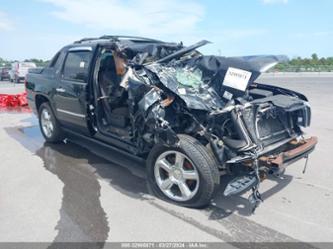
(38, 28)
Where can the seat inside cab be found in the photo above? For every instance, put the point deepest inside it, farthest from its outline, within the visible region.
(113, 113)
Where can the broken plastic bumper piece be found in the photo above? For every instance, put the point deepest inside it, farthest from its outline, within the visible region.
(240, 184)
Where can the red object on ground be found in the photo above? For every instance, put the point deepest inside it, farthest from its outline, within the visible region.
(13, 100)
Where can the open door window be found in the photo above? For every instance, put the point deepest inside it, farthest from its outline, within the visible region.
(111, 98)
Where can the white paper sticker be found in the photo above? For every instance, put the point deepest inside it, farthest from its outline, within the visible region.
(82, 64)
(237, 78)
(182, 91)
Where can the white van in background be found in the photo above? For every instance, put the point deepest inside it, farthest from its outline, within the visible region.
(19, 70)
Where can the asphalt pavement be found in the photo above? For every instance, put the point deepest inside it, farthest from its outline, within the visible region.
(10, 87)
(80, 192)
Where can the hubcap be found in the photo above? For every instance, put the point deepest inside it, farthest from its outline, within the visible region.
(46, 122)
(176, 176)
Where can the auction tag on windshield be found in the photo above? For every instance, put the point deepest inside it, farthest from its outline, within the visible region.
(237, 78)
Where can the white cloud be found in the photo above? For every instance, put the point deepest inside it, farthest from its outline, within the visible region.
(145, 17)
(170, 20)
(5, 23)
(275, 1)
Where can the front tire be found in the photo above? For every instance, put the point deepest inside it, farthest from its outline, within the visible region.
(49, 125)
(186, 175)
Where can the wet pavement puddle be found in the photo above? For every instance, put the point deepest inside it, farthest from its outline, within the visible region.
(82, 217)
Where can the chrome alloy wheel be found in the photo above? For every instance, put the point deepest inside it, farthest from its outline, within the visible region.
(176, 176)
(46, 123)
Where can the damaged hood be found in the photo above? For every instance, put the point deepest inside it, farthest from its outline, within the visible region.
(217, 66)
(202, 82)
(253, 63)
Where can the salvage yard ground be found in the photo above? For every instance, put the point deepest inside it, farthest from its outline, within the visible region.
(72, 193)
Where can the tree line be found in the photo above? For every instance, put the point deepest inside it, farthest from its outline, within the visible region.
(312, 64)
(298, 64)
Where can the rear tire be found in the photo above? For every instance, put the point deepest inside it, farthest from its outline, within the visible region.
(190, 182)
(49, 125)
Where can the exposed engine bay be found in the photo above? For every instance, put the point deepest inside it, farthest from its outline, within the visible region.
(166, 89)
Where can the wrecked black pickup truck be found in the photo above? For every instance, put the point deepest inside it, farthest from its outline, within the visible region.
(192, 117)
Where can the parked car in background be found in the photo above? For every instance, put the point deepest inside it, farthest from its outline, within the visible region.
(4, 73)
(19, 70)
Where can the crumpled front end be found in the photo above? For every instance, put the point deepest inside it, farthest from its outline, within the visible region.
(267, 121)
(254, 130)
(268, 137)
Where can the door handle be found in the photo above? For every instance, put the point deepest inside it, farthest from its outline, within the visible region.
(60, 90)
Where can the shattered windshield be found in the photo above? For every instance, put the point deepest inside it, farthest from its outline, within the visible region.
(179, 77)
(187, 83)
(189, 77)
